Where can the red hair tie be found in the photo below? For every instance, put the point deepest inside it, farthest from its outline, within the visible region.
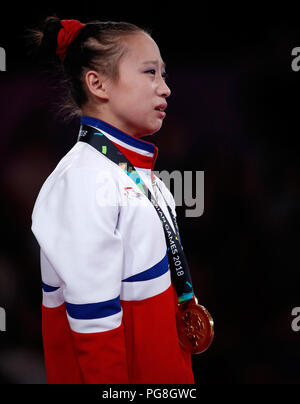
(70, 29)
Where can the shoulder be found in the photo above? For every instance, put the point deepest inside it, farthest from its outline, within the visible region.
(81, 176)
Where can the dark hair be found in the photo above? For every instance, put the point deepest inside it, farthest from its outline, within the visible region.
(98, 46)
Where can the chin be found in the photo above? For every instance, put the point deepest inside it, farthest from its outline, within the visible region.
(149, 130)
(148, 133)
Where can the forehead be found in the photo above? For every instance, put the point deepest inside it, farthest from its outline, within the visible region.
(142, 49)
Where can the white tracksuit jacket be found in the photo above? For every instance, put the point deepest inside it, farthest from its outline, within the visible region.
(108, 307)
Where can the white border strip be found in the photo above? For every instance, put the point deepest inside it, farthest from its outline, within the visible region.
(53, 299)
(97, 324)
(141, 290)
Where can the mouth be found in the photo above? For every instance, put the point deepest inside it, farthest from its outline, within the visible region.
(161, 110)
(161, 107)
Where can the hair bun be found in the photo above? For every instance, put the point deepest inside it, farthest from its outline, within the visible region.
(50, 30)
(42, 42)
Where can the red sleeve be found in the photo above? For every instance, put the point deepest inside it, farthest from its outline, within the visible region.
(76, 358)
(60, 358)
(102, 356)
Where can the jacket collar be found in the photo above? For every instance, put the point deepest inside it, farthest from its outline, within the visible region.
(139, 152)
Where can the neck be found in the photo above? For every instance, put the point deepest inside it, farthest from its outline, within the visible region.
(141, 153)
(104, 114)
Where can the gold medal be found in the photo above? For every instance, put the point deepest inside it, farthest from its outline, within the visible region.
(195, 327)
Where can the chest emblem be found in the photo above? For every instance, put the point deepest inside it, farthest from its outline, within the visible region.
(131, 193)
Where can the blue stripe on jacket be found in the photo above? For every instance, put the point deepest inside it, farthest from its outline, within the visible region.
(91, 311)
(48, 288)
(107, 308)
(154, 272)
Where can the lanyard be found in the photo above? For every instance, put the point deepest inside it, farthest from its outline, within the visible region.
(180, 272)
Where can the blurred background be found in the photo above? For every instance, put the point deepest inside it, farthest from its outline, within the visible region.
(234, 114)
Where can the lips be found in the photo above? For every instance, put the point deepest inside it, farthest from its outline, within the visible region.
(161, 114)
(160, 109)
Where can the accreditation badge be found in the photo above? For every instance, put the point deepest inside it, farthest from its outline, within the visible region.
(195, 327)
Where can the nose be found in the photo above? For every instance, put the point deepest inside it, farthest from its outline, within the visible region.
(163, 90)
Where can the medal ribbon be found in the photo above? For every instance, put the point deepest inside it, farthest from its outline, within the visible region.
(180, 272)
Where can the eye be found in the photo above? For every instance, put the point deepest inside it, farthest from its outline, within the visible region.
(164, 75)
(151, 71)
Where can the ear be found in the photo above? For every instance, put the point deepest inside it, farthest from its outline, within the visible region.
(96, 84)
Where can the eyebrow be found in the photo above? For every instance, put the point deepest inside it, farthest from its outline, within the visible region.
(154, 62)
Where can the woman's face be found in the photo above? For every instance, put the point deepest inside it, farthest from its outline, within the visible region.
(136, 100)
